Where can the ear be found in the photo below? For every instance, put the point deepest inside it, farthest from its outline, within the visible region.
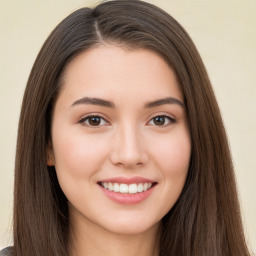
(50, 155)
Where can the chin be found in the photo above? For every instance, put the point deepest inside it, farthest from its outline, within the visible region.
(132, 227)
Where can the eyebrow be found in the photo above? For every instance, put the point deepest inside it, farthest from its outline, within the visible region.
(106, 103)
(94, 101)
(168, 100)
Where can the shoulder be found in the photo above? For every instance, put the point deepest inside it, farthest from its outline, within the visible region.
(6, 251)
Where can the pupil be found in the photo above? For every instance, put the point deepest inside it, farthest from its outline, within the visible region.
(159, 120)
(94, 120)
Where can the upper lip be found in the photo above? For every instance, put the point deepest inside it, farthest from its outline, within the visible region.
(128, 180)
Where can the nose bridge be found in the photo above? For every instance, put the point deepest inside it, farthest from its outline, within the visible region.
(128, 149)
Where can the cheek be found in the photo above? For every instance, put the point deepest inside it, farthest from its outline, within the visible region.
(77, 159)
(175, 159)
(174, 154)
(77, 156)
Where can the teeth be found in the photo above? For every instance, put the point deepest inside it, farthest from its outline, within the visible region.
(116, 187)
(125, 188)
(133, 189)
(140, 187)
(110, 187)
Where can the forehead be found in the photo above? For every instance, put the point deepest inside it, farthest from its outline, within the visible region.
(113, 72)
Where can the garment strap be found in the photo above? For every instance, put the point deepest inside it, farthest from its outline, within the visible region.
(6, 251)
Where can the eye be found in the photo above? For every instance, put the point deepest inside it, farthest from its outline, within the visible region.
(161, 120)
(93, 121)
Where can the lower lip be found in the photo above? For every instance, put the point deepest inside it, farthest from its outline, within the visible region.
(127, 198)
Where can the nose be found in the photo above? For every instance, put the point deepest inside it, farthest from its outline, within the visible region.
(128, 148)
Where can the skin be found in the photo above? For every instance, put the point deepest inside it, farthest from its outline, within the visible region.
(128, 140)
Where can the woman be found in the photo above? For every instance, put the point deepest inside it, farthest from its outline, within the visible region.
(121, 147)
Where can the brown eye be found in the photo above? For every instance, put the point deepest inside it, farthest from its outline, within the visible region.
(161, 120)
(93, 121)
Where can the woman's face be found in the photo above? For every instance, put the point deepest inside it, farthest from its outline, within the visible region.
(120, 140)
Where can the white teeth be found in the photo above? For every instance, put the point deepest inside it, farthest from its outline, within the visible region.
(133, 189)
(125, 188)
(116, 187)
(110, 186)
(140, 187)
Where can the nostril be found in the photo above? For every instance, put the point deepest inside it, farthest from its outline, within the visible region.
(128, 159)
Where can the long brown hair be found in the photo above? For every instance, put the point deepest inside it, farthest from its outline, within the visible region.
(206, 218)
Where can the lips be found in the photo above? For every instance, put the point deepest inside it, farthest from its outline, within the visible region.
(127, 190)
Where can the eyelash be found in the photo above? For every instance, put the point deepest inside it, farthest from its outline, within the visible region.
(85, 120)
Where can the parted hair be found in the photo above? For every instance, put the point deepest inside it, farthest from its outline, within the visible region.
(206, 219)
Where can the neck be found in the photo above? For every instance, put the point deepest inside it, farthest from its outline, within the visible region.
(90, 239)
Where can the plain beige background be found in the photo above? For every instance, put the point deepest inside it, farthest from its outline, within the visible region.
(225, 34)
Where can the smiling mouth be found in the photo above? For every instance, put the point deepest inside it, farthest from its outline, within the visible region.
(127, 188)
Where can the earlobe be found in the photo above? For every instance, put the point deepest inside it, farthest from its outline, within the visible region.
(50, 155)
